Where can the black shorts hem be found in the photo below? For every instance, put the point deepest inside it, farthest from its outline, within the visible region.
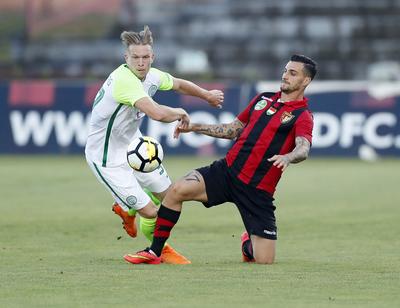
(264, 235)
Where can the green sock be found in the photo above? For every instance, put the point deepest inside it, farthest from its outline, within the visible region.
(147, 226)
(152, 197)
(131, 212)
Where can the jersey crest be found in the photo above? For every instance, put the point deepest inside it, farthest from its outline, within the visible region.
(286, 117)
(152, 90)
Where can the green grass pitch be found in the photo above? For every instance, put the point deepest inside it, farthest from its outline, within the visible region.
(339, 230)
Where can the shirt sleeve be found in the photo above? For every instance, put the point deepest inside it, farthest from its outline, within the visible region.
(166, 80)
(127, 88)
(304, 126)
(245, 114)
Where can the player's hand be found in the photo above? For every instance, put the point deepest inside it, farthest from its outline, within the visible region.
(183, 123)
(181, 129)
(280, 161)
(215, 98)
(184, 120)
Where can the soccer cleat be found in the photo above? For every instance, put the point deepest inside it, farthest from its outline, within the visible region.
(128, 221)
(171, 256)
(244, 238)
(144, 256)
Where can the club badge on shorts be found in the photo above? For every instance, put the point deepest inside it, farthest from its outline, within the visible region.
(131, 200)
(286, 117)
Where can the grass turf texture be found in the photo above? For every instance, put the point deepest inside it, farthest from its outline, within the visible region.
(338, 241)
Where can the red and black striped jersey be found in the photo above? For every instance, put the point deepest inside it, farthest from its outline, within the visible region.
(270, 128)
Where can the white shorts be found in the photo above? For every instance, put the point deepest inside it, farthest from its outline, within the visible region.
(126, 185)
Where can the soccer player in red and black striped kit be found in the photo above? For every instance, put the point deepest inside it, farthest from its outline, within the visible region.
(274, 131)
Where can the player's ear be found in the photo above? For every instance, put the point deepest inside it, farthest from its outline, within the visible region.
(306, 81)
(152, 58)
(126, 56)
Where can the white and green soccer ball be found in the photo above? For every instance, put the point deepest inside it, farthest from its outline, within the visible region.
(144, 154)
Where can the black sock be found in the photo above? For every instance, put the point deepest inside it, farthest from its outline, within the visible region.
(247, 249)
(166, 220)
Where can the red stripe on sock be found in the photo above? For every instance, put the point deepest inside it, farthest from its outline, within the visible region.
(164, 222)
(161, 233)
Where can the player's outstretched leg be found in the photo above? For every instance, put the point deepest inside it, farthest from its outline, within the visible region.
(128, 219)
(147, 225)
(168, 254)
(167, 217)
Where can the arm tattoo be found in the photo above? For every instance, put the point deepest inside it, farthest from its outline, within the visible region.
(192, 176)
(227, 131)
(300, 152)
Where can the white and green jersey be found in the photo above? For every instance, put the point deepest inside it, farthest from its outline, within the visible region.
(115, 119)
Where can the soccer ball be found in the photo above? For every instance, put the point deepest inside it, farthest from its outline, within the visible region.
(144, 154)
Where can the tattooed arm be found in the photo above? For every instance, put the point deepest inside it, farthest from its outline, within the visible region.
(227, 131)
(299, 153)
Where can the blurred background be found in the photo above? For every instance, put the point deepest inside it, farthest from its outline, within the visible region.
(225, 39)
(54, 56)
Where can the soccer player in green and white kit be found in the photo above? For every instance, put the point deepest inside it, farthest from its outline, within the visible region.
(126, 97)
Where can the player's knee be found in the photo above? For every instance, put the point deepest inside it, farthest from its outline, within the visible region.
(265, 260)
(180, 191)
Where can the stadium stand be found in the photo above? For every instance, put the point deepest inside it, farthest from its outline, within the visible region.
(238, 37)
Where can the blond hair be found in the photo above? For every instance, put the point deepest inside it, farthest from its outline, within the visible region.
(134, 38)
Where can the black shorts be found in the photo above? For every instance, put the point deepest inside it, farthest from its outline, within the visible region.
(255, 205)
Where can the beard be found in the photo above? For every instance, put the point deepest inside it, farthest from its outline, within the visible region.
(285, 88)
(288, 88)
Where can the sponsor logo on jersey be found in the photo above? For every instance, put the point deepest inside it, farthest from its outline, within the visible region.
(286, 117)
(260, 105)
